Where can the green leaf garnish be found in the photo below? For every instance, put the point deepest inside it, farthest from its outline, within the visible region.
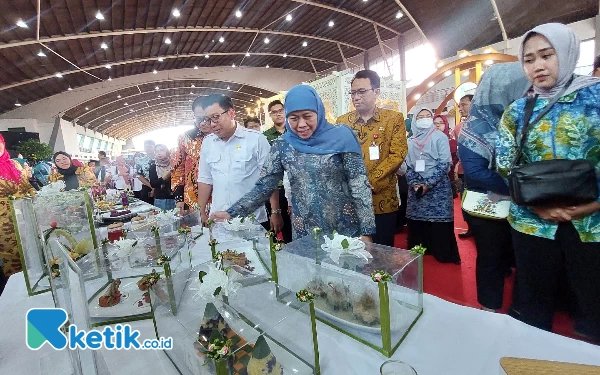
(345, 243)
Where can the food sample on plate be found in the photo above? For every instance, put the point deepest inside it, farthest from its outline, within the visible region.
(238, 261)
(144, 282)
(115, 213)
(366, 310)
(112, 296)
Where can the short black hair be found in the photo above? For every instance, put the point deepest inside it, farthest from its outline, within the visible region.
(596, 62)
(273, 104)
(223, 101)
(468, 96)
(371, 75)
(197, 102)
(251, 119)
(102, 153)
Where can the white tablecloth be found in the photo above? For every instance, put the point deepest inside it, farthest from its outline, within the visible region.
(448, 339)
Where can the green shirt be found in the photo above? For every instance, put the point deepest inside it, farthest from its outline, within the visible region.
(272, 134)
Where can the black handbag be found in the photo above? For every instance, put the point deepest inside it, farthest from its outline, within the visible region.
(557, 182)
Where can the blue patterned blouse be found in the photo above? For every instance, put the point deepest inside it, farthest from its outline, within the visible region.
(436, 205)
(570, 130)
(329, 191)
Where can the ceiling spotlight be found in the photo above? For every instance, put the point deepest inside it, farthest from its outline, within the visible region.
(41, 54)
(155, 71)
(221, 39)
(430, 84)
(107, 66)
(110, 79)
(160, 59)
(17, 104)
(233, 65)
(288, 17)
(131, 110)
(417, 96)
(267, 40)
(191, 93)
(489, 62)
(331, 23)
(440, 64)
(119, 96)
(227, 87)
(22, 24)
(206, 56)
(463, 54)
(99, 15)
(196, 67)
(106, 120)
(104, 46)
(193, 85)
(156, 88)
(488, 50)
(159, 96)
(125, 104)
(447, 74)
(399, 15)
(247, 54)
(238, 14)
(267, 66)
(58, 75)
(304, 44)
(285, 55)
(87, 108)
(176, 13)
(364, 1)
(465, 73)
(69, 89)
(168, 41)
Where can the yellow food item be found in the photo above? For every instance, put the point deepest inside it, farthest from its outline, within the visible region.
(84, 247)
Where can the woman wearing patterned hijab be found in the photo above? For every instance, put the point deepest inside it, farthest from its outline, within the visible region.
(160, 178)
(548, 240)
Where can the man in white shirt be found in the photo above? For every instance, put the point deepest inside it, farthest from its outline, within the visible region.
(230, 159)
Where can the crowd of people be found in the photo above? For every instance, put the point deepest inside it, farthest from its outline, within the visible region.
(367, 175)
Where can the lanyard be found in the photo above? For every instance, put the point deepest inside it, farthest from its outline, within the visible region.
(421, 146)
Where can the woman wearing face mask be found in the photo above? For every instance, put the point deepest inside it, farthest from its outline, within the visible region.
(551, 238)
(326, 172)
(74, 176)
(430, 210)
(160, 178)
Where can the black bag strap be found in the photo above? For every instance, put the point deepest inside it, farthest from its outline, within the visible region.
(528, 124)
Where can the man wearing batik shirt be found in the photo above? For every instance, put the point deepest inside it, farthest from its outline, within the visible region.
(382, 135)
(185, 161)
(142, 170)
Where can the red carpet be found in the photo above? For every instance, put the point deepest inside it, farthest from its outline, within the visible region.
(456, 283)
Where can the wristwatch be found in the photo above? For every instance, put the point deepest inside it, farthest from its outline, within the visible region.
(277, 211)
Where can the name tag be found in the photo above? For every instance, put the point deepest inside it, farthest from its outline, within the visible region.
(420, 166)
(373, 152)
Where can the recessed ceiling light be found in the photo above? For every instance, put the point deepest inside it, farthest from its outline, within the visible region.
(304, 44)
(447, 74)
(155, 71)
(17, 104)
(260, 92)
(22, 24)
(191, 93)
(159, 96)
(233, 65)
(58, 75)
(110, 79)
(399, 15)
(488, 50)
(285, 55)
(41, 54)
(106, 120)
(125, 104)
(364, 1)
(463, 55)
(247, 54)
(196, 67)
(99, 15)
(489, 62)
(70, 89)
(176, 13)
(267, 40)
(267, 66)
(160, 59)
(206, 56)
(131, 110)
(168, 41)
(417, 96)
(331, 23)
(430, 84)
(440, 64)
(107, 66)
(288, 17)
(119, 96)
(156, 88)
(238, 14)
(227, 87)
(466, 73)
(221, 39)
(104, 46)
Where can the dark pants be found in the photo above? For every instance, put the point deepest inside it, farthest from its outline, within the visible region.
(145, 195)
(385, 228)
(461, 189)
(287, 221)
(3, 280)
(541, 261)
(495, 256)
(403, 190)
(137, 194)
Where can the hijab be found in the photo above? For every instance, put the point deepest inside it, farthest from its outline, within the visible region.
(71, 180)
(501, 85)
(428, 138)
(446, 131)
(8, 170)
(566, 45)
(327, 138)
(163, 165)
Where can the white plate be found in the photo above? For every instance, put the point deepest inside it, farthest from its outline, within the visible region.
(128, 306)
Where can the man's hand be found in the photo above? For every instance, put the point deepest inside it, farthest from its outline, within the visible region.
(217, 216)
(553, 214)
(276, 222)
(582, 210)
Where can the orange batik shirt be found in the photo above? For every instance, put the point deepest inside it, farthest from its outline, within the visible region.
(184, 171)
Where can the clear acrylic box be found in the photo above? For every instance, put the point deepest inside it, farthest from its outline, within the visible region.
(269, 335)
(378, 314)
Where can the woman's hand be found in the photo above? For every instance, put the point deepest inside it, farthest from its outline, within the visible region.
(220, 216)
(366, 239)
(582, 210)
(553, 214)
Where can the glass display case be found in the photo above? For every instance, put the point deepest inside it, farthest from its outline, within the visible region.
(29, 244)
(370, 292)
(247, 331)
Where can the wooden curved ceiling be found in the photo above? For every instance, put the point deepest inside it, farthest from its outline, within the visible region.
(136, 33)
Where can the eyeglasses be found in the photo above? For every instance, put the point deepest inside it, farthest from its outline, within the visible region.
(277, 112)
(208, 119)
(360, 92)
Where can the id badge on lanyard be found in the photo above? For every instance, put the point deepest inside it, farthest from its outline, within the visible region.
(373, 151)
(420, 163)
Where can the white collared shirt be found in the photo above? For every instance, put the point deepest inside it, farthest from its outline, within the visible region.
(233, 167)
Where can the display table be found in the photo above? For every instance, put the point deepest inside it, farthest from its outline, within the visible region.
(448, 339)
